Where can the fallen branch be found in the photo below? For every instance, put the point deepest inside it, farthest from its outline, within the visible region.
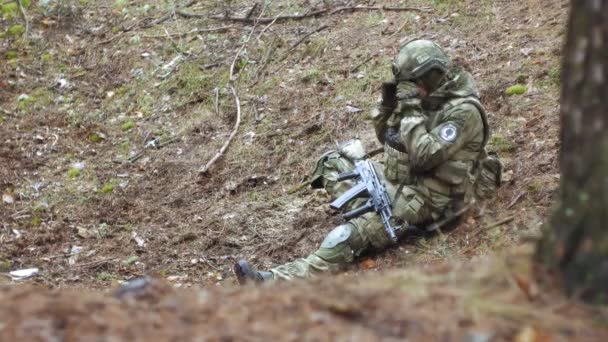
(306, 15)
(516, 199)
(95, 263)
(217, 100)
(232, 134)
(379, 8)
(259, 20)
(183, 34)
(168, 15)
(231, 79)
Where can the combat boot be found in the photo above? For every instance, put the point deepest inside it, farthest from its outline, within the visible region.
(245, 273)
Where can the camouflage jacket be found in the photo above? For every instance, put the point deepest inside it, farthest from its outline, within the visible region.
(442, 137)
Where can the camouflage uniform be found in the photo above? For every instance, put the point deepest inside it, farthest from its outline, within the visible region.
(432, 152)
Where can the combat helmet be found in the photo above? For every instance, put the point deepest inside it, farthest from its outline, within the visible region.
(417, 57)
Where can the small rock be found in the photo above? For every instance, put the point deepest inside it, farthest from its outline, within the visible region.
(507, 176)
(62, 83)
(24, 274)
(79, 166)
(352, 109)
(23, 97)
(137, 72)
(83, 232)
(8, 199)
(477, 336)
(139, 240)
(133, 287)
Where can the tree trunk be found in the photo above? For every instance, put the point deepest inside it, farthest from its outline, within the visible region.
(575, 244)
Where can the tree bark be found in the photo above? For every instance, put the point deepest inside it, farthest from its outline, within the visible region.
(575, 243)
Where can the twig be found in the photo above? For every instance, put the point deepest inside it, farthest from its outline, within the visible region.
(259, 20)
(361, 64)
(173, 42)
(24, 16)
(210, 66)
(494, 225)
(250, 12)
(293, 46)
(217, 100)
(95, 263)
(168, 15)
(236, 57)
(516, 199)
(440, 224)
(183, 34)
(379, 8)
(232, 135)
(231, 79)
(268, 26)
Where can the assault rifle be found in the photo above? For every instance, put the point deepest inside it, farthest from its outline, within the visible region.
(368, 185)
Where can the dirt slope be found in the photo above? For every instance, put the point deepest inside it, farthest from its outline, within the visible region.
(109, 109)
(473, 302)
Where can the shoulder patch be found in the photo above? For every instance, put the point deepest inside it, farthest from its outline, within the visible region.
(448, 133)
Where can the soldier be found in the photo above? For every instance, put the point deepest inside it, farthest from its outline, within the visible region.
(434, 130)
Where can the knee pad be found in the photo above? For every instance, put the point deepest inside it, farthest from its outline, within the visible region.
(339, 246)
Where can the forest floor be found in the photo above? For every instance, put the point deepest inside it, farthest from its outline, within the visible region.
(109, 110)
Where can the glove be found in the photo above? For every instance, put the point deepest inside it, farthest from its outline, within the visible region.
(409, 98)
(389, 95)
(406, 90)
(393, 139)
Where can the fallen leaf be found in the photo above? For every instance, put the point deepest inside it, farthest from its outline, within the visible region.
(83, 232)
(527, 285)
(529, 334)
(367, 264)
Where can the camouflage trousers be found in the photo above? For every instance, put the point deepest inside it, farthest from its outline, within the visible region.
(346, 242)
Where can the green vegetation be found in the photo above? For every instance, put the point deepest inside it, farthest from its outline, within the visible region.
(312, 75)
(5, 265)
(107, 188)
(11, 54)
(316, 47)
(95, 138)
(73, 173)
(16, 30)
(555, 75)
(130, 260)
(517, 89)
(46, 57)
(120, 4)
(9, 10)
(104, 276)
(499, 143)
(373, 19)
(127, 125)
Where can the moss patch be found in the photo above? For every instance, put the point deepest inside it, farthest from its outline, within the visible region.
(517, 89)
(73, 173)
(127, 125)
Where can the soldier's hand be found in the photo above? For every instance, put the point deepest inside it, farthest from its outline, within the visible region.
(407, 91)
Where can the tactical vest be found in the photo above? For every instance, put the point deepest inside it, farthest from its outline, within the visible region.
(453, 178)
